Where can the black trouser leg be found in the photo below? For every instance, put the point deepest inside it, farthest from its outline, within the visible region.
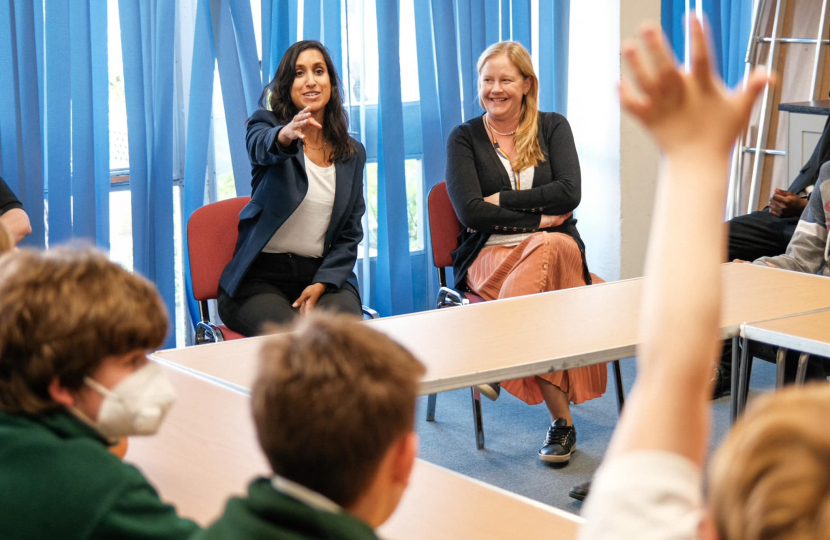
(759, 234)
(344, 300)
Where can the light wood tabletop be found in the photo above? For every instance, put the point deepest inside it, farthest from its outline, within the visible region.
(535, 334)
(808, 332)
(206, 451)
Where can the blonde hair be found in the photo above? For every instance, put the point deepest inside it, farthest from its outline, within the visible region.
(330, 400)
(770, 480)
(63, 312)
(528, 152)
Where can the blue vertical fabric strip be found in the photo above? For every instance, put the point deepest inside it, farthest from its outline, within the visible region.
(671, 19)
(282, 35)
(491, 22)
(561, 39)
(712, 11)
(393, 263)
(161, 180)
(198, 129)
(265, 29)
(521, 23)
(131, 51)
(447, 68)
(312, 17)
(40, 21)
(11, 144)
(332, 34)
(31, 164)
(465, 49)
(100, 114)
(83, 124)
(58, 177)
(547, 57)
(505, 20)
(293, 17)
(434, 161)
(243, 23)
(230, 77)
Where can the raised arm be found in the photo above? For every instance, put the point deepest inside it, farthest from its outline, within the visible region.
(695, 121)
(464, 188)
(563, 194)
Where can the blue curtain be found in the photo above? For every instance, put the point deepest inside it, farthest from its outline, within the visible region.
(54, 138)
(729, 23)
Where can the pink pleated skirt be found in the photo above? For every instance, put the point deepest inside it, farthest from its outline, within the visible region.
(542, 262)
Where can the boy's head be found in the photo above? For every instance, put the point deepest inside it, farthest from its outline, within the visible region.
(66, 317)
(334, 406)
(771, 477)
(6, 239)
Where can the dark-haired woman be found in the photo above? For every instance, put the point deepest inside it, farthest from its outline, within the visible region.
(298, 236)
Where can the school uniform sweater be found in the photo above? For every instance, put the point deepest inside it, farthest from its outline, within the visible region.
(267, 513)
(59, 480)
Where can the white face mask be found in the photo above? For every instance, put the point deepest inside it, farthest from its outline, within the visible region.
(136, 405)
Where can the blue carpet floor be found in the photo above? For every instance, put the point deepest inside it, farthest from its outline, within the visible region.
(514, 432)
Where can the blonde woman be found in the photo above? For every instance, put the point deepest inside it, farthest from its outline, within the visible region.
(513, 178)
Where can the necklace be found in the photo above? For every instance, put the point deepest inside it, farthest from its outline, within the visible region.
(306, 145)
(489, 127)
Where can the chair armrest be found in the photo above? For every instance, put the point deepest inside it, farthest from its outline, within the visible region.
(369, 313)
(448, 297)
(208, 333)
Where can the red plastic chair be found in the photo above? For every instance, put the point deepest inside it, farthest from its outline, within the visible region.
(212, 231)
(444, 229)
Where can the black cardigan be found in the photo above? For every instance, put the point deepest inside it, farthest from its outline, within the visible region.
(474, 171)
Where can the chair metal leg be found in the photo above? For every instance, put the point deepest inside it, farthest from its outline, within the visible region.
(431, 399)
(618, 382)
(477, 418)
(733, 382)
(780, 363)
(801, 374)
(744, 370)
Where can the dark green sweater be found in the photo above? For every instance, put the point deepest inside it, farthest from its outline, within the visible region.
(59, 480)
(268, 514)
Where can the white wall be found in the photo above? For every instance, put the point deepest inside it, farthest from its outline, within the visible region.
(619, 164)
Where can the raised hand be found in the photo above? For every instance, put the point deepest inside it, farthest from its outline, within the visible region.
(685, 110)
(297, 127)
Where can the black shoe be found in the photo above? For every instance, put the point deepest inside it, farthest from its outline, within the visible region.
(581, 491)
(560, 442)
(490, 390)
(721, 382)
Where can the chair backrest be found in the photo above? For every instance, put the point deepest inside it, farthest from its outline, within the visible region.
(212, 231)
(443, 225)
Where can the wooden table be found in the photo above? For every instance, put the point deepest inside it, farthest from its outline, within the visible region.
(206, 451)
(808, 333)
(536, 334)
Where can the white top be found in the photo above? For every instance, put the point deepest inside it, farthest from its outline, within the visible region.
(525, 181)
(648, 495)
(305, 495)
(304, 232)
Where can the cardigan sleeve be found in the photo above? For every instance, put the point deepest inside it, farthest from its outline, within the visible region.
(261, 140)
(464, 188)
(563, 194)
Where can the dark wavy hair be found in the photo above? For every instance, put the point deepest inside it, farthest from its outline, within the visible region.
(277, 98)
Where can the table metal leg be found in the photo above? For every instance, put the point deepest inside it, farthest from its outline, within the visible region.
(477, 418)
(431, 399)
(733, 396)
(780, 363)
(801, 374)
(619, 385)
(744, 370)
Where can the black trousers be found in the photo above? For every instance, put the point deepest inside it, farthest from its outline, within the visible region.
(272, 284)
(759, 234)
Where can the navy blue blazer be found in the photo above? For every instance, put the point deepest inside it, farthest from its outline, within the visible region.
(279, 184)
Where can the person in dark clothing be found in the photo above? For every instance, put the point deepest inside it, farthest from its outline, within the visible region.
(12, 215)
(334, 408)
